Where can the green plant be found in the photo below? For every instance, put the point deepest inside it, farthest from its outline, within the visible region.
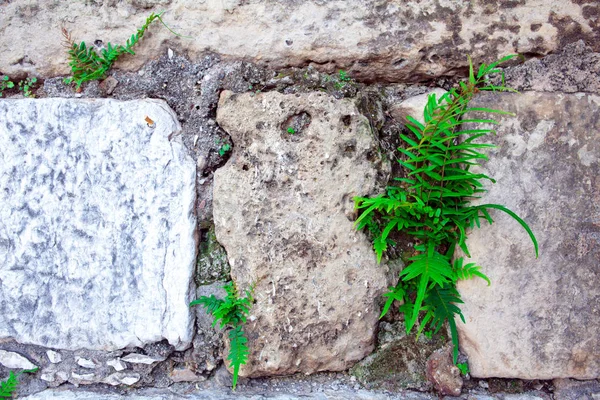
(25, 86)
(232, 311)
(87, 64)
(464, 368)
(291, 130)
(342, 80)
(432, 204)
(224, 147)
(343, 76)
(5, 83)
(8, 386)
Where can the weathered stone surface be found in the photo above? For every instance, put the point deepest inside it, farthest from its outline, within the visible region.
(283, 210)
(540, 318)
(85, 363)
(374, 39)
(141, 359)
(225, 394)
(576, 68)
(569, 389)
(97, 244)
(117, 364)
(414, 106)
(399, 363)
(442, 372)
(53, 356)
(125, 378)
(14, 360)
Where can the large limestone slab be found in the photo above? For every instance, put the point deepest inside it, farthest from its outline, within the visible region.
(97, 241)
(373, 39)
(283, 211)
(540, 319)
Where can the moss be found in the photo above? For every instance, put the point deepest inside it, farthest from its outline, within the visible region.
(399, 363)
(212, 264)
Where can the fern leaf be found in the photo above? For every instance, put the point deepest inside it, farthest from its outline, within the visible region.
(8, 387)
(441, 301)
(396, 293)
(379, 245)
(211, 304)
(238, 353)
(429, 267)
(519, 220)
(469, 271)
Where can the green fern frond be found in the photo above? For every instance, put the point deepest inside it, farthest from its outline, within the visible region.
(429, 266)
(238, 353)
(87, 65)
(9, 386)
(232, 312)
(468, 271)
(432, 203)
(441, 306)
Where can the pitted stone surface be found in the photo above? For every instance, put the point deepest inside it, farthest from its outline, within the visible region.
(540, 318)
(372, 39)
(284, 212)
(97, 242)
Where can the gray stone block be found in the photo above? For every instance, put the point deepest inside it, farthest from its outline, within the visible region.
(540, 318)
(97, 225)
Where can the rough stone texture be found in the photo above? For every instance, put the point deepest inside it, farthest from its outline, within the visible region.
(373, 39)
(97, 243)
(569, 389)
(14, 360)
(212, 259)
(225, 394)
(283, 210)
(53, 356)
(442, 372)
(414, 106)
(399, 362)
(575, 69)
(540, 318)
(207, 346)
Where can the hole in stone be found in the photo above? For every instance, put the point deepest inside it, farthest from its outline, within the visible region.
(346, 120)
(295, 125)
(372, 156)
(245, 167)
(348, 148)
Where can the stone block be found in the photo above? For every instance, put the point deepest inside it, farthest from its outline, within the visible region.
(373, 39)
(284, 212)
(97, 232)
(540, 318)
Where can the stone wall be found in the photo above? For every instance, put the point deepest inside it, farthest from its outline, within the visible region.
(115, 205)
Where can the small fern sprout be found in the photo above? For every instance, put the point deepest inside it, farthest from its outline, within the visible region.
(89, 63)
(231, 312)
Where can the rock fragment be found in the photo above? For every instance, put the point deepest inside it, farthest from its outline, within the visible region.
(14, 360)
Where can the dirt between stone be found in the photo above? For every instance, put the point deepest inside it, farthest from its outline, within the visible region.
(192, 88)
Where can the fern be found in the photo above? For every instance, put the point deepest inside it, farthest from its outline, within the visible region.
(88, 65)
(9, 386)
(432, 202)
(232, 312)
(238, 355)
